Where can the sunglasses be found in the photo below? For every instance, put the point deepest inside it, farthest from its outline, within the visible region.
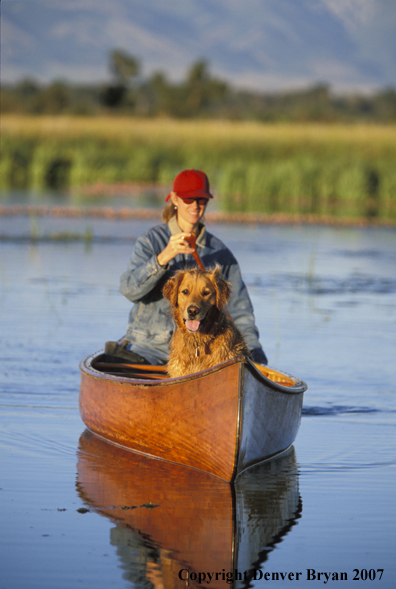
(200, 201)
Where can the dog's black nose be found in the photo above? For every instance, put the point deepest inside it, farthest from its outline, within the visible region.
(192, 311)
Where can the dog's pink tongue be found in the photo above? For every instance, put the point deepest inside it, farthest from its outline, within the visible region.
(192, 325)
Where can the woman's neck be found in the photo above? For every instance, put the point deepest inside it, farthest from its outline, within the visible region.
(188, 227)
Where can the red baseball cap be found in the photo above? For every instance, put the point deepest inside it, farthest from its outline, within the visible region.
(190, 184)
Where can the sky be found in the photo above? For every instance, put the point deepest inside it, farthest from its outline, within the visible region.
(265, 45)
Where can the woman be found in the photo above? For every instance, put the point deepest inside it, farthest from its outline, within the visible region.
(159, 253)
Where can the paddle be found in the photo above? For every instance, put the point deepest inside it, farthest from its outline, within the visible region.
(127, 365)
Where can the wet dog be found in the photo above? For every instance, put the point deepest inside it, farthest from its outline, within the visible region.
(204, 335)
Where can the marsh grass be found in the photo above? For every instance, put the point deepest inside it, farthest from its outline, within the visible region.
(339, 170)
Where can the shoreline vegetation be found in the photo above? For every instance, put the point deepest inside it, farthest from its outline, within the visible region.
(260, 172)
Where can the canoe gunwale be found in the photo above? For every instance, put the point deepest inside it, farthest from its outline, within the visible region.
(299, 387)
(87, 367)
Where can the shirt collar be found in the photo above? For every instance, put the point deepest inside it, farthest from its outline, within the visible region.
(175, 229)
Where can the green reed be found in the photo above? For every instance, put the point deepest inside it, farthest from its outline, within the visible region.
(324, 170)
(340, 187)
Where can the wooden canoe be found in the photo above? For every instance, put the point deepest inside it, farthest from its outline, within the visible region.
(221, 420)
(184, 519)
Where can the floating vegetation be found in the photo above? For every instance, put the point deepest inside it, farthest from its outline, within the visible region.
(149, 505)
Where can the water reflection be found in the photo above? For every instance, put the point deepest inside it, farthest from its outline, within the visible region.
(175, 523)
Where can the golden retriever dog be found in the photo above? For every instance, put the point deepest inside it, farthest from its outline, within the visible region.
(204, 335)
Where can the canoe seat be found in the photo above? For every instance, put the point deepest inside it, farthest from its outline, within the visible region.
(132, 371)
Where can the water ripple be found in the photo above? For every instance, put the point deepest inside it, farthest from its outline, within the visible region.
(325, 285)
(337, 410)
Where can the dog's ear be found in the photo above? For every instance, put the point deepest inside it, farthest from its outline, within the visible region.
(223, 288)
(171, 287)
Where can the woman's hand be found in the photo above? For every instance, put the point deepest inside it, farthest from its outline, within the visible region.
(176, 245)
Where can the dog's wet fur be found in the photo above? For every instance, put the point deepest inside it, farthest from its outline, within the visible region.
(204, 335)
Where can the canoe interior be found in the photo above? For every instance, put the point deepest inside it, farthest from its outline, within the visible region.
(154, 373)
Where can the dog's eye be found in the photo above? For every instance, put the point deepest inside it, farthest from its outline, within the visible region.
(185, 291)
(206, 293)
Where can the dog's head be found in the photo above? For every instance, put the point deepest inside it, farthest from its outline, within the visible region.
(197, 297)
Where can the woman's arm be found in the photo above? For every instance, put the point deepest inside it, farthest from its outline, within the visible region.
(150, 261)
(143, 272)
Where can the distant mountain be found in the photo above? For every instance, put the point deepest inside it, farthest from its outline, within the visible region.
(260, 44)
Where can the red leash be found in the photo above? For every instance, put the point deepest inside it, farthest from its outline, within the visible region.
(191, 241)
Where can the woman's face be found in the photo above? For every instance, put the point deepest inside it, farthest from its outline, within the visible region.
(189, 214)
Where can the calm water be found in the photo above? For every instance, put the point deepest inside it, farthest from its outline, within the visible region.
(325, 303)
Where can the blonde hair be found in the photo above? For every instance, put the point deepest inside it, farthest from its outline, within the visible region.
(168, 212)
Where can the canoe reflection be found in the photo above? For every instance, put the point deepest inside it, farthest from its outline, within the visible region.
(173, 522)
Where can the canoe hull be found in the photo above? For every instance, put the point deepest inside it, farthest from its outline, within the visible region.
(270, 420)
(220, 421)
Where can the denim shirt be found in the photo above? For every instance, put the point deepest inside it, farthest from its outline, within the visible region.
(151, 325)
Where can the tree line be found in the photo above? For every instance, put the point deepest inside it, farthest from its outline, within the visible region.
(199, 94)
